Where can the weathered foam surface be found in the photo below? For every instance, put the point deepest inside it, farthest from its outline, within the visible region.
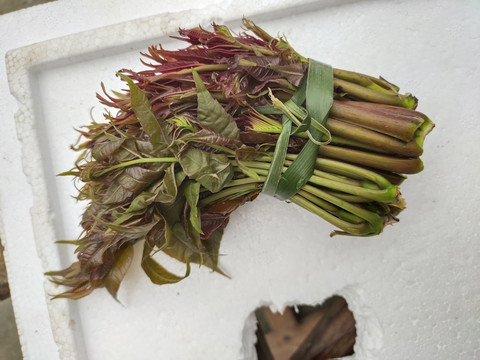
(414, 289)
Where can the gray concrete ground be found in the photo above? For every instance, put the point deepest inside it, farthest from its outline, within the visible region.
(7, 6)
(9, 344)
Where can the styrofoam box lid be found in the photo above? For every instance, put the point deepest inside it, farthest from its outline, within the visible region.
(414, 289)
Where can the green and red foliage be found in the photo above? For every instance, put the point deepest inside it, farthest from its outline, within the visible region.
(197, 134)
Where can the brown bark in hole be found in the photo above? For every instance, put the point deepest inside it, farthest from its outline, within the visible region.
(314, 333)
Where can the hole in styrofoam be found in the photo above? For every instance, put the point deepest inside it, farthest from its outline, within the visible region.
(369, 332)
(305, 332)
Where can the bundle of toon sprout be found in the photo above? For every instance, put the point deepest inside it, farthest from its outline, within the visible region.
(208, 127)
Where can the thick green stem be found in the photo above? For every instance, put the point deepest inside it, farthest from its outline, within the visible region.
(351, 135)
(342, 141)
(229, 192)
(369, 216)
(319, 173)
(366, 94)
(340, 168)
(139, 161)
(374, 139)
(356, 229)
(386, 195)
(386, 120)
(377, 161)
(371, 126)
(366, 81)
(426, 127)
(348, 171)
(248, 180)
(342, 214)
(348, 197)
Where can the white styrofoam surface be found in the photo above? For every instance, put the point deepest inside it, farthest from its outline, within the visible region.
(414, 289)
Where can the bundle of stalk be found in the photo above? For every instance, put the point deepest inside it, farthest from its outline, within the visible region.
(208, 127)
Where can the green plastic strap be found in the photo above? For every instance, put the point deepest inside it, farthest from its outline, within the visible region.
(319, 99)
(275, 171)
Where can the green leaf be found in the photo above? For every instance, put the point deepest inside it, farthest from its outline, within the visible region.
(210, 137)
(103, 150)
(141, 202)
(270, 68)
(319, 98)
(212, 114)
(182, 247)
(116, 194)
(128, 183)
(192, 192)
(136, 178)
(79, 291)
(294, 73)
(246, 153)
(225, 31)
(211, 170)
(274, 174)
(212, 247)
(178, 250)
(146, 147)
(172, 212)
(131, 230)
(166, 189)
(126, 152)
(159, 236)
(178, 232)
(143, 111)
(132, 149)
(208, 257)
(262, 123)
(158, 274)
(123, 259)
